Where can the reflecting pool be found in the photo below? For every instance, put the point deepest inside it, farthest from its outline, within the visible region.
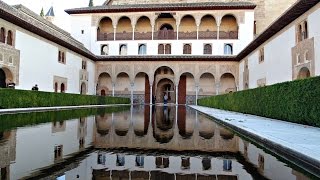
(138, 142)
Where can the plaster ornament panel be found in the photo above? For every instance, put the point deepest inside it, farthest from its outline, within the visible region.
(183, 68)
(207, 68)
(119, 68)
(141, 68)
(228, 69)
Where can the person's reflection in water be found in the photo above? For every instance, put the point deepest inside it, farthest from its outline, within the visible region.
(166, 113)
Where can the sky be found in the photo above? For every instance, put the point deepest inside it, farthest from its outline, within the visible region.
(62, 19)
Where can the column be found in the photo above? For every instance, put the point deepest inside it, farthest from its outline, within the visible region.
(218, 32)
(133, 27)
(197, 87)
(177, 88)
(131, 94)
(113, 86)
(177, 32)
(217, 89)
(152, 31)
(197, 32)
(114, 33)
(151, 95)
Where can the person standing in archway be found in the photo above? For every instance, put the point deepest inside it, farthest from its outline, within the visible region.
(165, 98)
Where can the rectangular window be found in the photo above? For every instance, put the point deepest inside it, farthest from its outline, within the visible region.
(58, 152)
(187, 49)
(62, 57)
(84, 65)
(261, 55)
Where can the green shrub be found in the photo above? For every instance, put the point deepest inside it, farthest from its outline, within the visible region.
(295, 101)
(12, 98)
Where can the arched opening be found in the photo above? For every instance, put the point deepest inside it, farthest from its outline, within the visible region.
(206, 85)
(55, 87)
(165, 23)
(2, 35)
(104, 86)
(163, 123)
(105, 30)
(62, 88)
(142, 49)
(188, 28)
(187, 49)
(227, 83)
(105, 50)
(103, 124)
(83, 88)
(6, 78)
(124, 29)
(208, 28)
(226, 134)
(186, 122)
(122, 87)
(187, 89)
(10, 38)
(207, 49)
(228, 50)
(141, 90)
(228, 27)
(206, 128)
(304, 73)
(121, 124)
(141, 119)
(164, 84)
(2, 79)
(143, 29)
(123, 49)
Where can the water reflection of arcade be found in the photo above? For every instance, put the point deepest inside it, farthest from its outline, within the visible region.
(170, 128)
(7, 152)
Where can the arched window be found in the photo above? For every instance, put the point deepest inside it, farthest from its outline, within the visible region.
(62, 88)
(142, 49)
(103, 92)
(123, 49)
(9, 38)
(55, 87)
(228, 49)
(62, 57)
(59, 56)
(305, 33)
(2, 35)
(160, 49)
(207, 49)
(168, 49)
(187, 49)
(105, 50)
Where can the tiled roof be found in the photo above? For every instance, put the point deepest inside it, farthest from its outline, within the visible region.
(159, 7)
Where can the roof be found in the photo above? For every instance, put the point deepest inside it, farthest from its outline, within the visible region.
(50, 12)
(160, 7)
(27, 19)
(296, 10)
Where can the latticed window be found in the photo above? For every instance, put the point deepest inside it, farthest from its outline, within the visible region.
(2, 35)
(207, 49)
(187, 49)
(168, 49)
(160, 49)
(9, 38)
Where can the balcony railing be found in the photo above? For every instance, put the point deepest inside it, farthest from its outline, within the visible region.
(188, 35)
(228, 35)
(124, 36)
(208, 35)
(143, 35)
(105, 36)
(165, 34)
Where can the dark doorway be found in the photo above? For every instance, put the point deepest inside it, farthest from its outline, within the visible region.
(2, 79)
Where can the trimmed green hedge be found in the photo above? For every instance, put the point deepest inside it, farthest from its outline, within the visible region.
(296, 101)
(12, 98)
(12, 121)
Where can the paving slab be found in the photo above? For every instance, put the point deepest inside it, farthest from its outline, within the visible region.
(298, 140)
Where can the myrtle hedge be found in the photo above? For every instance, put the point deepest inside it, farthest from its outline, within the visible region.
(296, 101)
(12, 121)
(12, 98)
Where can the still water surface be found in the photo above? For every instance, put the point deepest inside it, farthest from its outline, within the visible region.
(140, 142)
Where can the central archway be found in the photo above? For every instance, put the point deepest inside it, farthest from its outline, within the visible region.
(165, 87)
